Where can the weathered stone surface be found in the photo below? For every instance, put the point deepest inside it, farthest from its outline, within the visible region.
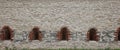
(78, 15)
(107, 36)
(21, 36)
(77, 40)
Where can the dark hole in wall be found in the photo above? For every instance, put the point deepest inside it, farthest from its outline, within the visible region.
(6, 33)
(118, 34)
(36, 33)
(64, 33)
(92, 34)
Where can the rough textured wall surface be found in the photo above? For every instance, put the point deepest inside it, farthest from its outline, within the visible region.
(50, 15)
(78, 15)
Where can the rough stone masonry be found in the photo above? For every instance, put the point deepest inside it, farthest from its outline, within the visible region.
(50, 15)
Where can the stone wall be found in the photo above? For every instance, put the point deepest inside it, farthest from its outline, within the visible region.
(77, 39)
(78, 15)
(49, 36)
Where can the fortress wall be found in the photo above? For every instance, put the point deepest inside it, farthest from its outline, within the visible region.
(49, 40)
(80, 15)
